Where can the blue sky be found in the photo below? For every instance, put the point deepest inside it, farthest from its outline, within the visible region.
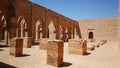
(82, 9)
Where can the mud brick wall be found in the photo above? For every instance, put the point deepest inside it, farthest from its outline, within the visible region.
(43, 43)
(27, 42)
(77, 46)
(55, 53)
(16, 47)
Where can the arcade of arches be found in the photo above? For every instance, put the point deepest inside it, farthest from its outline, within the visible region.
(28, 19)
(22, 20)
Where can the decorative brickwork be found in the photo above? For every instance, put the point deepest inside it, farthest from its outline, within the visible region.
(43, 43)
(77, 46)
(16, 47)
(55, 53)
(27, 42)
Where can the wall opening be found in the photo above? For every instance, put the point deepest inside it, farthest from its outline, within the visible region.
(90, 35)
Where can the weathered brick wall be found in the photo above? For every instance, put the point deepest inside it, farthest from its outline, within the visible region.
(43, 43)
(104, 28)
(32, 13)
(16, 47)
(27, 42)
(55, 53)
(78, 46)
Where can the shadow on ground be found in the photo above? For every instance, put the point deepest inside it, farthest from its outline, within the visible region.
(87, 54)
(3, 46)
(24, 55)
(4, 65)
(1, 49)
(66, 64)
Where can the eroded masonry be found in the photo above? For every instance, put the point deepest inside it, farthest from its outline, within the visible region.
(23, 24)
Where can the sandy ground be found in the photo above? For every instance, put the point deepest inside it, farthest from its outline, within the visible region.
(106, 56)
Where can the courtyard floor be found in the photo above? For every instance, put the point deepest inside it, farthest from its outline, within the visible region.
(106, 56)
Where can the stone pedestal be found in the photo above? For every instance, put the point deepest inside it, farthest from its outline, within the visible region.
(16, 47)
(55, 53)
(77, 46)
(27, 42)
(43, 43)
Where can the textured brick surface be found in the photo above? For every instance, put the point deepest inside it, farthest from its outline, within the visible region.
(27, 42)
(16, 46)
(55, 53)
(43, 43)
(77, 46)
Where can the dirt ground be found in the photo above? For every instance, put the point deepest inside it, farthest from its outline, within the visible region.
(106, 56)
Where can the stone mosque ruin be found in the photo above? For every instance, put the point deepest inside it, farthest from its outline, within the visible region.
(24, 24)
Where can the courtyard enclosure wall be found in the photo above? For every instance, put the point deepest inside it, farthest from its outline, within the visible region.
(103, 28)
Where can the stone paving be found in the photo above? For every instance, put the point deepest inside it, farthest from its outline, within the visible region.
(106, 56)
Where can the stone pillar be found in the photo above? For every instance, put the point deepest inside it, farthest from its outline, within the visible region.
(43, 43)
(36, 35)
(26, 33)
(16, 47)
(77, 46)
(21, 33)
(27, 42)
(0, 35)
(6, 38)
(55, 53)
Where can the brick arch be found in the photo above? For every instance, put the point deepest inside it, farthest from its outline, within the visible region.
(52, 22)
(22, 27)
(3, 19)
(38, 29)
(53, 19)
(3, 27)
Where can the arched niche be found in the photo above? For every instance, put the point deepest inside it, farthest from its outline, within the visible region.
(38, 30)
(51, 28)
(21, 30)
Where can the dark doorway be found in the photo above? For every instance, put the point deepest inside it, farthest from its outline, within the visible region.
(90, 35)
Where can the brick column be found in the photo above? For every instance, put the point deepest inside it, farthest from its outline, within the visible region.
(77, 46)
(43, 43)
(27, 42)
(55, 53)
(16, 47)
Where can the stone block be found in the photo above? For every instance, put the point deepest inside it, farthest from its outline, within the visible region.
(27, 42)
(55, 53)
(95, 45)
(78, 46)
(91, 48)
(43, 43)
(16, 47)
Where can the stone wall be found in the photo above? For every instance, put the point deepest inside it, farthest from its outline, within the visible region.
(103, 28)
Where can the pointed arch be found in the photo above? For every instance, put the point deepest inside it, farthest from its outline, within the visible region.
(22, 27)
(51, 29)
(38, 30)
(3, 25)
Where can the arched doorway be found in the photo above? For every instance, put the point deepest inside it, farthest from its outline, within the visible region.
(90, 35)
